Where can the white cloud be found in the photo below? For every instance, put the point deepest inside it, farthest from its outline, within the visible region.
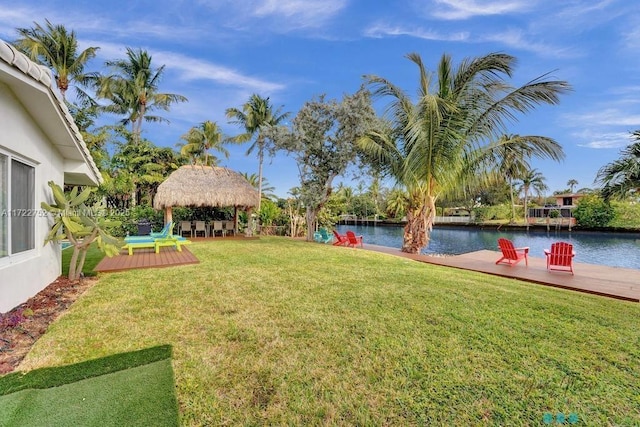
(381, 30)
(605, 117)
(465, 9)
(602, 140)
(278, 15)
(197, 69)
(518, 39)
(189, 68)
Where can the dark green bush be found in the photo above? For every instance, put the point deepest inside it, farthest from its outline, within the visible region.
(593, 212)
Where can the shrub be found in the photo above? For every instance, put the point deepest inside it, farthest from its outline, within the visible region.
(627, 215)
(593, 212)
(488, 213)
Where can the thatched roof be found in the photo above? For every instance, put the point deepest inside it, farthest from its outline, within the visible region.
(205, 186)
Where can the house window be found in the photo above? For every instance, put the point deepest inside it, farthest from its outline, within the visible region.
(17, 206)
(4, 207)
(567, 201)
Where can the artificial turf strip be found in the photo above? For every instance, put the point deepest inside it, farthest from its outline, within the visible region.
(130, 389)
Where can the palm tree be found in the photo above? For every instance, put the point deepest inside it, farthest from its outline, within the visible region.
(511, 155)
(202, 138)
(397, 203)
(267, 189)
(56, 48)
(256, 114)
(532, 180)
(572, 183)
(132, 90)
(430, 145)
(622, 177)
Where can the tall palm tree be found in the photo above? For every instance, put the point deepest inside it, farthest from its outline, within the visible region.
(256, 114)
(56, 48)
(202, 138)
(572, 184)
(132, 89)
(430, 145)
(532, 180)
(622, 177)
(511, 155)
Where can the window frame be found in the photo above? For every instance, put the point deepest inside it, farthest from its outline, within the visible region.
(11, 257)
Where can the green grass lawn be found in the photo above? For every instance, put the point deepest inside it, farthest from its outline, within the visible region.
(277, 331)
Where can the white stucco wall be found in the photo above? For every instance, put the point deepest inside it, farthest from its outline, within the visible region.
(25, 274)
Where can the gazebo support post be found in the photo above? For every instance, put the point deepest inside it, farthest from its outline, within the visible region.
(168, 215)
(249, 231)
(235, 220)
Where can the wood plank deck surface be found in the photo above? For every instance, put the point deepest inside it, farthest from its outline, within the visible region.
(146, 258)
(168, 256)
(613, 282)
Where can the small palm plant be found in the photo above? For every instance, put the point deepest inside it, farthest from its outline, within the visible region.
(82, 225)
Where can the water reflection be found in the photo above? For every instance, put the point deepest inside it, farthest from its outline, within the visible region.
(617, 250)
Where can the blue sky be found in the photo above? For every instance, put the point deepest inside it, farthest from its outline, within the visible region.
(218, 52)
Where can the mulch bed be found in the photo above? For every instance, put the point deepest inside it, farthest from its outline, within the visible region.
(21, 327)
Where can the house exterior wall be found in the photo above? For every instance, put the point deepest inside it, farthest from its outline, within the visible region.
(24, 274)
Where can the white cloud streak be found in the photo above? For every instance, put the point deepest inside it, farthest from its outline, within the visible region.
(602, 140)
(279, 16)
(383, 30)
(465, 9)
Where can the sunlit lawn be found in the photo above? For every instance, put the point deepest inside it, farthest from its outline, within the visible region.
(275, 331)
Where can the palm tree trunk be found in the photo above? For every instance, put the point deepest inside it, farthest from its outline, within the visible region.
(419, 224)
(513, 204)
(526, 213)
(260, 159)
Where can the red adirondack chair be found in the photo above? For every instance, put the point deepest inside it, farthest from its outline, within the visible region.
(510, 254)
(560, 257)
(341, 239)
(353, 240)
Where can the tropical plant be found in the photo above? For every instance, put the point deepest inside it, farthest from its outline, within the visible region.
(511, 155)
(132, 90)
(256, 115)
(532, 180)
(321, 139)
(56, 48)
(621, 178)
(202, 138)
(572, 184)
(138, 168)
(430, 145)
(80, 224)
(267, 189)
(397, 203)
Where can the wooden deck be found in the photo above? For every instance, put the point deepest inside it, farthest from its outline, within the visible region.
(146, 258)
(168, 256)
(613, 282)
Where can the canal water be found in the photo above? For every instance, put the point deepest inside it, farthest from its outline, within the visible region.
(613, 249)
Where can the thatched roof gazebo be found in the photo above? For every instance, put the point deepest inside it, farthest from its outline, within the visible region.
(205, 186)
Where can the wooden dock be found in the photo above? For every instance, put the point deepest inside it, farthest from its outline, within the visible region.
(612, 282)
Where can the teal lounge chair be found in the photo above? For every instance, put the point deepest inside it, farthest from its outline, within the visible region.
(166, 231)
(163, 234)
(322, 236)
